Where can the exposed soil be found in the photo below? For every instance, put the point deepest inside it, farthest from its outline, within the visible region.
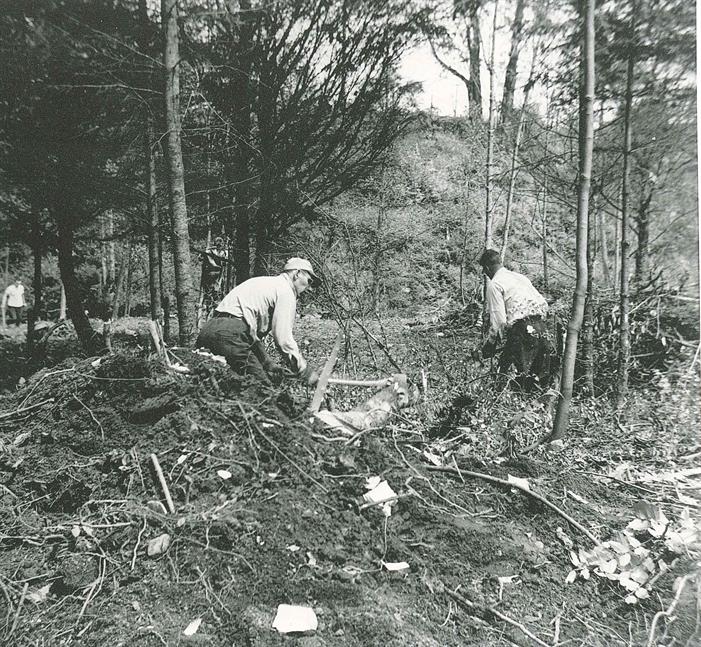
(79, 504)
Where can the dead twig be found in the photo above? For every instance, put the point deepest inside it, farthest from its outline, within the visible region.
(18, 412)
(341, 381)
(92, 415)
(667, 613)
(289, 460)
(19, 609)
(162, 481)
(8, 598)
(473, 606)
(136, 546)
(382, 347)
(535, 495)
(42, 378)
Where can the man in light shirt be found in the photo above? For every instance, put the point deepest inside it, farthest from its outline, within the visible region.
(252, 310)
(13, 300)
(516, 310)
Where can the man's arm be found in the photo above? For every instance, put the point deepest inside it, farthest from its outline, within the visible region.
(283, 320)
(496, 308)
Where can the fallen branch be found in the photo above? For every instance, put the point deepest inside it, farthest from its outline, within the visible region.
(40, 343)
(289, 460)
(19, 609)
(669, 610)
(535, 495)
(382, 346)
(491, 610)
(18, 412)
(371, 383)
(162, 481)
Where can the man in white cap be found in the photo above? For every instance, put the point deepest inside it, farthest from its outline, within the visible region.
(251, 311)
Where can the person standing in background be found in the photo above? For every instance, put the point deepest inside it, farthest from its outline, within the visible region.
(13, 301)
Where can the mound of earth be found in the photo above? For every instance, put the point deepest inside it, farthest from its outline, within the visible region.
(269, 510)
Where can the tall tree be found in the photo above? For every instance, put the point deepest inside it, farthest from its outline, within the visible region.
(507, 101)
(474, 46)
(316, 112)
(588, 323)
(184, 292)
(460, 35)
(624, 304)
(488, 207)
(515, 151)
(586, 144)
(150, 181)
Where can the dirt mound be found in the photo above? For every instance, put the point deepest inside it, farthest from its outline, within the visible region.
(268, 511)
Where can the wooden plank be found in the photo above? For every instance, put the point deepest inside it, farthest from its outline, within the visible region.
(326, 374)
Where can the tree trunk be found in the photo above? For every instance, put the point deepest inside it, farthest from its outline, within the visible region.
(465, 239)
(242, 240)
(490, 137)
(266, 105)
(377, 265)
(151, 180)
(624, 337)
(38, 280)
(586, 142)
(507, 101)
(128, 280)
(62, 304)
(474, 45)
(111, 252)
(165, 298)
(617, 255)
(184, 293)
(243, 127)
(588, 325)
(544, 233)
(76, 309)
(7, 265)
(262, 223)
(517, 144)
(103, 256)
(153, 223)
(34, 313)
(604, 249)
(119, 283)
(642, 253)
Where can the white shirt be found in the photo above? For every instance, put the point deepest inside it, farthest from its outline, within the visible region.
(14, 296)
(510, 297)
(268, 304)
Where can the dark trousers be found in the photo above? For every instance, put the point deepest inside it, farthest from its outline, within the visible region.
(14, 313)
(232, 338)
(529, 348)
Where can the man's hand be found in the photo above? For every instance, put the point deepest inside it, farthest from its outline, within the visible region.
(309, 376)
(275, 372)
(489, 349)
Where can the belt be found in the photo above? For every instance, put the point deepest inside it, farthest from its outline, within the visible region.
(226, 315)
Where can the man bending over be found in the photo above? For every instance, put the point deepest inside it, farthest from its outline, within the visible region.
(251, 311)
(516, 310)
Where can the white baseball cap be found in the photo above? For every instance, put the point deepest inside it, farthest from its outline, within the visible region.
(301, 264)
